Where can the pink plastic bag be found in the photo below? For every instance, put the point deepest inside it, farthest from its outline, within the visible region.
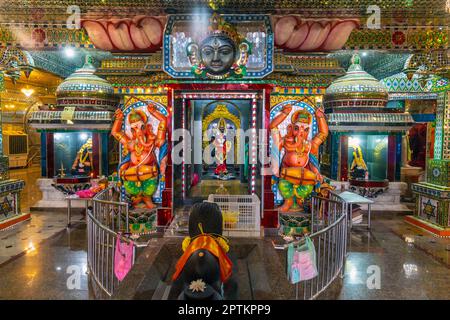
(123, 258)
(301, 261)
(304, 266)
(85, 193)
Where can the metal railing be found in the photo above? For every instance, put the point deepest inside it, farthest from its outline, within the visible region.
(103, 224)
(329, 235)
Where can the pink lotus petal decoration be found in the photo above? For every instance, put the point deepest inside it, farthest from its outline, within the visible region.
(305, 35)
(140, 34)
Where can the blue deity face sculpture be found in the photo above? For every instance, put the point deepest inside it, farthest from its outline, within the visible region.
(218, 54)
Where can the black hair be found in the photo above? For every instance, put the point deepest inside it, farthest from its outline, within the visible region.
(210, 217)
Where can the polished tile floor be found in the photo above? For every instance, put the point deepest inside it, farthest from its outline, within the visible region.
(52, 264)
(413, 264)
(40, 257)
(24, 237)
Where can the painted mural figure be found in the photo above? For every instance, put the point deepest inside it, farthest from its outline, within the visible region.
(299, 172)
(139, 170)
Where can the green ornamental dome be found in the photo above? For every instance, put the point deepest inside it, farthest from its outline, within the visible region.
(86, 91)
(356, 90)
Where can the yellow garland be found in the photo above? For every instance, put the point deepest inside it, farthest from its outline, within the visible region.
(221, 240)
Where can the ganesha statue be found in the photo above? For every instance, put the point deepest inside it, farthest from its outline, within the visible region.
(141, 169)
(299, 174)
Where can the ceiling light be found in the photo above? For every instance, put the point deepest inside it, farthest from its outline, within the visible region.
(69, 52)
(27, 92)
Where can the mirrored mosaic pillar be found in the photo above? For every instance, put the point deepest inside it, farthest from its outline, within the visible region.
(9, 188)
(433, 196)
(4, 164)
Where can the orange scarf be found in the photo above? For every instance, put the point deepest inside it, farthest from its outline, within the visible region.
(206, 242)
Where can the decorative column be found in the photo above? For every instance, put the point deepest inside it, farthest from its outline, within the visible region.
(165, 212)
(344, 158)
(183, 161)
(253, 148)
(392, 155)
(9, 188)
(433, 196)
(270, 216)
(334, 156)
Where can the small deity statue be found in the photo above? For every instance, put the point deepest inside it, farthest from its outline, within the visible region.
(358, 169)
(139, 170)
(219, 53)
(299, 172)
(83, 163)
(221, 147)
(204, 271)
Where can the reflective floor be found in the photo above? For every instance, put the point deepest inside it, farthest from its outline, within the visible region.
(412, 264)
(54, 268)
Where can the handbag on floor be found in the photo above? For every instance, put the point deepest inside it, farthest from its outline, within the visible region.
(123, 258)
(301, 262)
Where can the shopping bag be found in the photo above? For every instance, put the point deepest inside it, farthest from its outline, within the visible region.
(303, 262)
(290, 256)
(123, 258)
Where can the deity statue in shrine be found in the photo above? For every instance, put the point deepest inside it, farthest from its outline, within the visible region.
(221, 147)
(299, 173)
(139, 170)
(83, 163)
(358, 169)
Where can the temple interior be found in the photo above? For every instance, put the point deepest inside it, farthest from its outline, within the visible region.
(225, 150)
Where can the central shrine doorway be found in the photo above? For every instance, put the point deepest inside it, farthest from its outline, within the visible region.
(219, 146)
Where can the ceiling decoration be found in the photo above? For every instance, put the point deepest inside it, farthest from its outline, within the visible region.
(414, 36)
(307, 64)
(379, 64)
(131, 65)
(139, 34)
(58, 63)
(39, 10)
(295, 34)
(428, 64)
(13, 61)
